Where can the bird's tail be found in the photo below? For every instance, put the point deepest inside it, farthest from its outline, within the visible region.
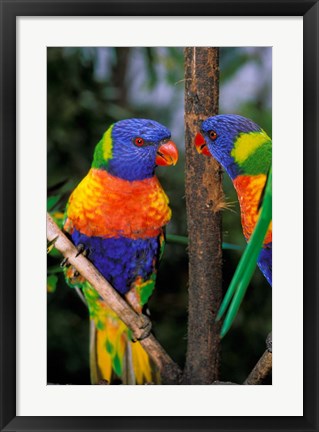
(114, 357)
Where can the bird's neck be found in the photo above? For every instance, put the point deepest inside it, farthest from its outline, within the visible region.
(130, 170)
(251, 154)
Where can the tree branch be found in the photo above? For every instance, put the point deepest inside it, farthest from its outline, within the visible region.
(263, 366)
(169, 370)
(204, 199)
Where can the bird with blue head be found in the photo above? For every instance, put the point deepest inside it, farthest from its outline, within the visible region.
(117, 214)
(244, 149)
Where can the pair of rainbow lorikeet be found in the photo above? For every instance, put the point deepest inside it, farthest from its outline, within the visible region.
(118, 213)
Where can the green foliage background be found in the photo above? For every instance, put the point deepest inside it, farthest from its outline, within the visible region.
(90, 88)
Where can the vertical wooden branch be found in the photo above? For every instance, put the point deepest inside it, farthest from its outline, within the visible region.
(203, 200)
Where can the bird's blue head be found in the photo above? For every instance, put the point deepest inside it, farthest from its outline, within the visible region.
(131, 149)
(227, 138)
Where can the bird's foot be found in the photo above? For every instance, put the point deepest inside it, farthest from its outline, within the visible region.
(50, 244)
(145, 327)
(64, 262)
(82, 250)
(269, 342)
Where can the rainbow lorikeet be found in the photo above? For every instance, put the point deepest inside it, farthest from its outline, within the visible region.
(245, 151)
(117, 215)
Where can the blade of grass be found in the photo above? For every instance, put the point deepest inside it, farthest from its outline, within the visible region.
(247, 264)
(241, 268)
(52, 201)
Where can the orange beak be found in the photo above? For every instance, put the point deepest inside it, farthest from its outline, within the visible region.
(167, 154)
(201, 145)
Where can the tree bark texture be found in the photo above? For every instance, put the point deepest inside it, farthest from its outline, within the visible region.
(261, 370)
(119, 73)
(204, 199)
(263, 367)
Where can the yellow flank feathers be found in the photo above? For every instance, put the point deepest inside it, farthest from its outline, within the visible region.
(113, 345)
(104, 360)
(247, 143)
(107, 144)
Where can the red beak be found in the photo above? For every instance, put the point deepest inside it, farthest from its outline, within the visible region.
(167, 154)
(201, 145)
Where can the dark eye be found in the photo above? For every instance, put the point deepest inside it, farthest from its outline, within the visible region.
(139, 142)
(212, 135)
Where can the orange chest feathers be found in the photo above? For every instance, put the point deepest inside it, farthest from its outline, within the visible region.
(249, 189)
(106, 206)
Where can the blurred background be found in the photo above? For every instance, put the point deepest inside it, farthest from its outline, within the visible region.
(89, 89)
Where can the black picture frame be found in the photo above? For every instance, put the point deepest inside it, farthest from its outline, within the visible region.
(10, 9)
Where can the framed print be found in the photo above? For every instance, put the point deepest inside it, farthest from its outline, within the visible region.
(86, 83)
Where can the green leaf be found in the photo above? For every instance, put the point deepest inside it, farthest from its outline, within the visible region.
(247, 263)
(52, 201)
(54, 253)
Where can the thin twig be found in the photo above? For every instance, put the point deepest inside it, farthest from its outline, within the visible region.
(169, 370)
(262, 368)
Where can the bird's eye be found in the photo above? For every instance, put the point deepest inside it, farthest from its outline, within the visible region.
(139, 141)
(212, 135)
